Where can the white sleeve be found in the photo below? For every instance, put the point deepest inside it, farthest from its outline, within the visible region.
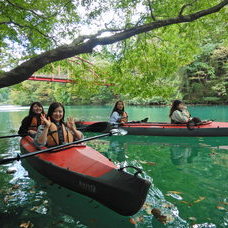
(38, 134)
(179, 117)
(115, 118)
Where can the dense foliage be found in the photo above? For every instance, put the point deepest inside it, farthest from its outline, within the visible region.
(206, 79)
(154, 67)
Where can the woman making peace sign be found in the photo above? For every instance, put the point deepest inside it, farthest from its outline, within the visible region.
(54, 131)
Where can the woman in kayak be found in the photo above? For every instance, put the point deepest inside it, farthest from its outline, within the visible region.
(118, 114)
(30, 123)
(55, 131)
(179, 113)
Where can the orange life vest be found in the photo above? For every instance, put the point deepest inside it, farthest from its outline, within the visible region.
(53, 135)
(34, 124)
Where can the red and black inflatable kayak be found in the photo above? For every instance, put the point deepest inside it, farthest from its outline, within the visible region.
(206, 128)
(86, 171)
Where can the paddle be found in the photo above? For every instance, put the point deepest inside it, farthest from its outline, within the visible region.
(9, 136)
(96, 127)
(145, 120)
(19, 157)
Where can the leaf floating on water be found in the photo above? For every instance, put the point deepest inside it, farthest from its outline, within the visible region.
(175, 192)
(189, 204)
(199, 200)
(166, 205)
(147, 208)
(147, 163)
(34, 208)
(175, 196)
(169, 218)
(225, 203)
(132, 221)
(192, 218)
(186, 202)
(136, 220)
(139, 219)
(26, 225)
(16, 186)
(45, 202)
(157, 214)
(221, 208)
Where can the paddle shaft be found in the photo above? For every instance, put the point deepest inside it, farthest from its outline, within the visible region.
(92, 127)
(19, 157)
(8, 136)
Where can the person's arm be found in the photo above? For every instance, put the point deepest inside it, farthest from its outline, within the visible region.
(186, 113)
(178, 116)
(71, 125)
(115, 118)
(41, 136)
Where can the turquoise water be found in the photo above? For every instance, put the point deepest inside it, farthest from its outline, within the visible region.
(189, 176)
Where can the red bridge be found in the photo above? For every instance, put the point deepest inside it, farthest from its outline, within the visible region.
(51, 78)
(65, 77)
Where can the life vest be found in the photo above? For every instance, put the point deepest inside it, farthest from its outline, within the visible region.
(34, 123)
(53, 135)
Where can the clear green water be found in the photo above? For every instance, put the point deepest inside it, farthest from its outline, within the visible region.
(195, 169)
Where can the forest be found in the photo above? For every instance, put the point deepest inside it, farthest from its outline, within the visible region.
(183, 60)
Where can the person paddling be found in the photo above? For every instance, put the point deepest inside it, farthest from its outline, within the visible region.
(179, 113)
(30, 123)
(55, 131)
(118, 114)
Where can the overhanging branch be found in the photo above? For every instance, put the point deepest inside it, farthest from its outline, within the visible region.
(85, 44)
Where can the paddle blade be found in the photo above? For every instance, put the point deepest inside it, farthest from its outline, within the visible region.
(98, 127)
(7, 160)
(118, 132)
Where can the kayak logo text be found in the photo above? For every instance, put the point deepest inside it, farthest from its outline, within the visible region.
(87, 187)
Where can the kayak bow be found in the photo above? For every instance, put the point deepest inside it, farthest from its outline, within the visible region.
(86, 171)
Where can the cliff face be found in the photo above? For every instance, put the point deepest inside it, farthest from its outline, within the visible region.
(206, 79)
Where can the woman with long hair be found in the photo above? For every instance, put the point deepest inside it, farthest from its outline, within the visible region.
(54, 131)
(179, 113)
(30, 123)
(118, 114)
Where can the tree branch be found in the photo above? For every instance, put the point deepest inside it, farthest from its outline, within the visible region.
(151, 10)
(86, 44)
(184, 7)
(29, 10)
(28, 27)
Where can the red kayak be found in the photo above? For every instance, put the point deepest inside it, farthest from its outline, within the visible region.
(86, 171)
(206, 128)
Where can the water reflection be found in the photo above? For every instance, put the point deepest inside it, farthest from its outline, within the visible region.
(181, 154)
(193, 168)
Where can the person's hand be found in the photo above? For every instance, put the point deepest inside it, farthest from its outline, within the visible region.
(124, 115)
(32, 132)
(71, 123)
(46, 121)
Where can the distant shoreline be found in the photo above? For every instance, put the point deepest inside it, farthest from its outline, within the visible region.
(142, 105)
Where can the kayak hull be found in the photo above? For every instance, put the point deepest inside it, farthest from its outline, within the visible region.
(120, 191)
(209, 129)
